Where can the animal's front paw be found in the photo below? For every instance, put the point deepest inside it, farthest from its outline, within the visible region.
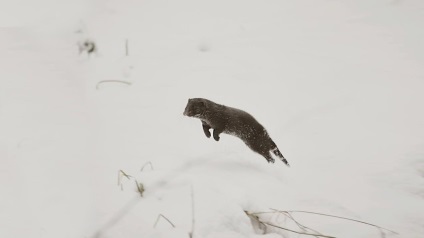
(208, 134)
(271, 160)
(216, 134)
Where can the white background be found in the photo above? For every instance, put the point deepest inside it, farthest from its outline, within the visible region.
(338, 85)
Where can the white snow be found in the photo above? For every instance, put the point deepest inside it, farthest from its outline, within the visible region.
(337, 84)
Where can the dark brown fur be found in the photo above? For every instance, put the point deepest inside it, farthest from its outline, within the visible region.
(228, 120)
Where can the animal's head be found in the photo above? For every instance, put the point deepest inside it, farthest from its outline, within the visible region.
(196, 107)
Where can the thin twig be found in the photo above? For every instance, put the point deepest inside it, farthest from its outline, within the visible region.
(164, 217)
(112, 81)
(349, 219)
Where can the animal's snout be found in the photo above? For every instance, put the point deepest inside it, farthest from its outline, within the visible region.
(186, 112)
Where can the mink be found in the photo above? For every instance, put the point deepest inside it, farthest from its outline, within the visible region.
(233, 121)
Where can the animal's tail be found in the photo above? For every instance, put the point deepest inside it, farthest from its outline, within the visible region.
(277, 152)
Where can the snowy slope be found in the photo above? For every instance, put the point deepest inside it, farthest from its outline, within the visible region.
(338, 85)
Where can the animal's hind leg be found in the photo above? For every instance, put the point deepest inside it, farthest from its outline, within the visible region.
(260, 150)
(277, 152)
(267, 156)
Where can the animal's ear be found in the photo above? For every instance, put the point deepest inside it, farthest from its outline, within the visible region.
(202, 104)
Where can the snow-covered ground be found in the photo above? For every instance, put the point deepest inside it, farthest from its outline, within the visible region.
(338, 85)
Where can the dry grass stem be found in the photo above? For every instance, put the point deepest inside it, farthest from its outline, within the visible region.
(148, 163)
(112, 81)
(126, 47)
(164, 217)
(140, 188)
(191, 234)
(307, 229)
(339, 217)
(122, 174)
(253, 216)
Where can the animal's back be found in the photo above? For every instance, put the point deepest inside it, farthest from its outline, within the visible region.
(243, 125)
